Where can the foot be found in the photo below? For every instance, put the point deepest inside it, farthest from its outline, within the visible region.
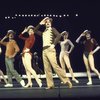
(99, 77)
(52, 87)
(22, 83)
(8, 85)
(40, 83)
(28, 85)
(89, 83)
(69, 84)
(62, 82)
(75, 80)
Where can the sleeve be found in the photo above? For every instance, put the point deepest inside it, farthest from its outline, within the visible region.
(57, 34)
(22, 37)
(3, 43)
(36, 30)
(95, 42)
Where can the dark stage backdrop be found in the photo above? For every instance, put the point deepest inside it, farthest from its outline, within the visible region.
(11, 12)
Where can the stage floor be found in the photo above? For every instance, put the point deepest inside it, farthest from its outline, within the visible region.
(80, 90)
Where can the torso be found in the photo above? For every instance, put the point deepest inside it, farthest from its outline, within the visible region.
(29, 42)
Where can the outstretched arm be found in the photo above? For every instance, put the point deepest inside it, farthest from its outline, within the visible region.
(38, 26)
(4, 43)
(83, 34)
(78, 39)
(58, 36)
(36, 30)
(21, 35)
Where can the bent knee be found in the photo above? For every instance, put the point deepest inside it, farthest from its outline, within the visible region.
(93, 69)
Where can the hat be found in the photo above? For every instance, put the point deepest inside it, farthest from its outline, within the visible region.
(65, 33)
(49, 19)
(87, 32)
(30, 27)
(10, 32)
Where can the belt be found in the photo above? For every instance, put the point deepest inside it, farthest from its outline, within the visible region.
(45, 47)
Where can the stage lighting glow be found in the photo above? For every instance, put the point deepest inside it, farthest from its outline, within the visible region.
(25, 15)
(22, 15)
(76, 15)
(5, 17)
(44, 15)
(19, 15)
(38, 15)
(56, 15)
(64, 15)
(12, 17)
(50, 15)
(41, 15)
(60, 15)
(15, 14)
(31, 15)
(47, 15)
(8, 17)
(28, 15)
(34, 15)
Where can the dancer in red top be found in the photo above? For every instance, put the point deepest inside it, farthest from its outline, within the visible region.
(27, 57)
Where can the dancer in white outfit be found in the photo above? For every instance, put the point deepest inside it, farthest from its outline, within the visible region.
(64, 55)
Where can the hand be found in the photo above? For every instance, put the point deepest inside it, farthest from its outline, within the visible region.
(24, 31)
(67, 52)
(43, 21)
(63, 33)
(83, 34)
(91, 53)
(85, 31)
(52, 46)
(26, 50)
(7, 35)
(4, 38)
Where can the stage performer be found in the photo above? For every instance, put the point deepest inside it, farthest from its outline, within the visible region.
(90, 47)
(2, 74)
(11, 50)
(66, 48)
(50, 38)
(27, 55)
